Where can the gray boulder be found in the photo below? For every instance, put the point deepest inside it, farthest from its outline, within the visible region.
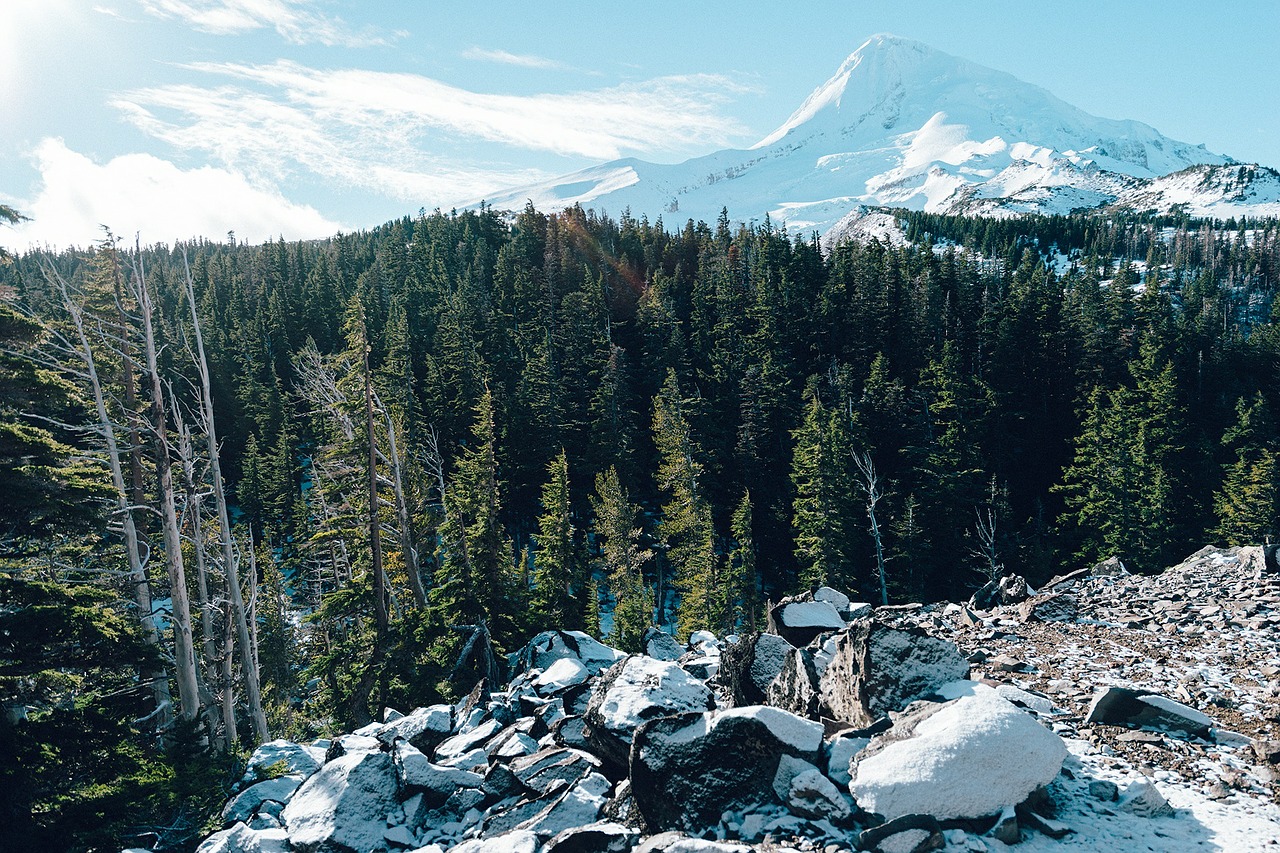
(594, 838)
(800, 619)
(550, 646)
(875, 669)
(247, 802)
(634, 690)
(660, 645)
(242, 839)
(424, 728)
(276, 755)
(687, 770)
(795, 688)
(749, 666)
(1050, 607)
(344, 806)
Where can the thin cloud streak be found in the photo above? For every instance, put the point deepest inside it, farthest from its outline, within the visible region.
(292, 19)
(521, 60)
(350, 124)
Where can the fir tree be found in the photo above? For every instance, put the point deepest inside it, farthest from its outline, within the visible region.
(622, 561)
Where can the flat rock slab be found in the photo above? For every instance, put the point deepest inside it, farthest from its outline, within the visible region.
(1144, 709)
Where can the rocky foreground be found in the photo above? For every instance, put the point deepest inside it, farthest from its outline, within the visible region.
(1106, 711)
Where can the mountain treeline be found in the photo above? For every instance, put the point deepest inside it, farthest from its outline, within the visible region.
(261, 490)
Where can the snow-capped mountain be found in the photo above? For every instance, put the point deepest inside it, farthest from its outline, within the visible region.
(901, 124)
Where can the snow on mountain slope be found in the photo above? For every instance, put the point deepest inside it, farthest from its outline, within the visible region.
(900, 124)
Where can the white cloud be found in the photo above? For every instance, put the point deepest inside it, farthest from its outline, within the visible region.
(292, 19)
(522, 60)
(351, 124)
(139, 193)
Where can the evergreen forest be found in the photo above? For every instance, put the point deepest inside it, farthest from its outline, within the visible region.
(260, 491)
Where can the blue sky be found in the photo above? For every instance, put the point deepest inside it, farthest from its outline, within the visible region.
(178, 118)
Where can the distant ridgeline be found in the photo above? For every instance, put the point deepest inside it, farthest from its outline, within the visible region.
(566, 420)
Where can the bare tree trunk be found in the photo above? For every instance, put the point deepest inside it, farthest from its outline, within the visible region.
(130, 383)
(137, 569)
(871, 483)
(208, 657)
(253, 607)
(253, 688)
(407, 545)
(375, 527)
(184, 645)
(228, 680)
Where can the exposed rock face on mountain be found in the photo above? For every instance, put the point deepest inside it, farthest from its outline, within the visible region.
(903, 125)
(1148, 719)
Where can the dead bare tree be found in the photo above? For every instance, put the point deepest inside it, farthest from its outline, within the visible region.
(81, 350)
(252, 683)
(871, 485)
(184, 645)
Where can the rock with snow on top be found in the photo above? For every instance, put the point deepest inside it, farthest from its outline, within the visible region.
(461, 744)
(292, 757)
(1144, 800)
(812, 795)
(914, 833)
(686, 771)
(424, 728)
(344, 805)
(437, 781)
(516, 841)
(634, 690)
(840, 752)
(560, 676)
(600, 837)
(660, 645)
(834, 597)
(543, 770)
(800, 619)
(1145, 709)
(550, 646)
(965, 758)
(577, 805)
(875, 669)
(241, 839)
(247, 802)
(1109, 568)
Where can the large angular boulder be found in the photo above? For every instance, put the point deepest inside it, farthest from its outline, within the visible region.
(1144, 709)
(344, 806)
(874, 669)
(425, 728)
(280, 757)
(660, 645)
(969, 757)
(634, 690)
(687, 770)
(242, 839)
(517, 841)
(549, 768)
(247, 802)
(436, 782)
(1050, 607)
(550, 646)
(800, 619)
(605, 837)
(795, 688)
(749, 666)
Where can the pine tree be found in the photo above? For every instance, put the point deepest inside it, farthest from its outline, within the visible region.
(622, 561)
(742, 581)
(686, 516)
(823, 507)
(1247, 505)
(559, 589)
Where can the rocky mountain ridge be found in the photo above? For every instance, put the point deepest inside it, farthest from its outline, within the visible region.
(903, 125)
(1105, 711)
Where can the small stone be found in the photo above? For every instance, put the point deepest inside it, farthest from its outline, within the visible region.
(1101, 789)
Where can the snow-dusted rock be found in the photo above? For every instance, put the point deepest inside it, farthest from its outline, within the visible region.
(875, 669)
(749, 666)
(604, 837)
(908, 834)
(1143, 709)
(800, 619)
(812, 795)
(293, 757)
(437, 782)
(660, 645)
(516, 841)
(560, 676)
(344, 805)
(246, 803)
(461, 744)
(687, 770)
(840, 752)
(550, 646)
(636, 689)
(578, 805)
(548, 768)
(242, 839)
(834, 597)
(425, 728)
(966, 758)
(1144, 800)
